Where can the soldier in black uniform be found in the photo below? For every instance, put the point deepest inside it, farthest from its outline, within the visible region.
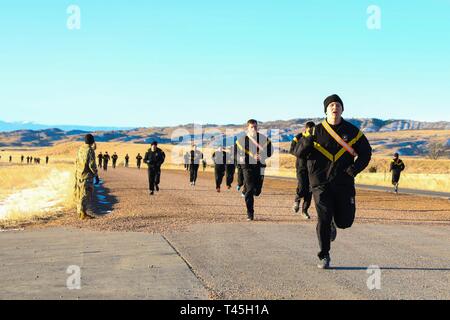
(138, 161)
(127, 160)
(240, 179)
(302, 190)
(47, 159)
(100, 160)
(219, 158)
(195, 157)
(396, 167)
(106, 158)
(22, 158)
(186, 161)
(230, 167)
(331, 148)
(10, 158)
(114, 159)
(254, 148)
(154, 158)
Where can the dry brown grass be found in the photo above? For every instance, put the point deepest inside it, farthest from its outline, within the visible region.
(28, 192)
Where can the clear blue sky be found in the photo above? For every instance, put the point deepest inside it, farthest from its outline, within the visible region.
(166, 62)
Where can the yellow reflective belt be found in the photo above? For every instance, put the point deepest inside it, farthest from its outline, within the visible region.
(295, 140)
(334, 158)
(243, 149)
(323, 151)
(338, 139)
(351, 143)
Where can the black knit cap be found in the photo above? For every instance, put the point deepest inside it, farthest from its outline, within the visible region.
(331, 99)
(154, 143)
(89, 139)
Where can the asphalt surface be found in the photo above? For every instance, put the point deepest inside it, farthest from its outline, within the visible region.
(273, 261)
(37, 264)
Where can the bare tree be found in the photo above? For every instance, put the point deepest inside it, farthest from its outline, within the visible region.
(435, 150)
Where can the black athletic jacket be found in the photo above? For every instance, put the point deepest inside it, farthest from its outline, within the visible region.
(154, 159)
(219, 158)
(397, 166)
(300, 163)
(327, 161)
(247, 150)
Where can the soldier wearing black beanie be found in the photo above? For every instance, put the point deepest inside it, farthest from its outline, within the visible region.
(331, 99)
(89, 139)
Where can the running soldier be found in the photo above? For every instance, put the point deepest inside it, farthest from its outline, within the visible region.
(106, 158)
(138, 161)
(195, 157)
(230, 168)
(303, 190)
(114, 159)
(331, 148)
(154, 158)
(396, 167)
(100, 160)
(219, 159)
(127, 160)
(255, 148)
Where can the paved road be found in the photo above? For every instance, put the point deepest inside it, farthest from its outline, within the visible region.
(264, 260)
(113, 265)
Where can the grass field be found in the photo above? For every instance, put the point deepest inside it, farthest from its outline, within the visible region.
(28, 192)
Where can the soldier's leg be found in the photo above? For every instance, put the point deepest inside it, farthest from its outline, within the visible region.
(298, 196)
(77, 200)
(151, 179)
(216, 176)
(344, 214)
(241, 178)
(306, 202)
(219, 176)
(324, 201)
(259, 178)
(191, 173)
(86, 197)
(157, 176)
(196, 167)
(250, 186)
(230, 169)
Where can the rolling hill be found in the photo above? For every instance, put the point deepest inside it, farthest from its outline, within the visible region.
(404, 136)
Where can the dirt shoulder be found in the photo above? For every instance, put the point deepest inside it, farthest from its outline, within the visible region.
(177, 205)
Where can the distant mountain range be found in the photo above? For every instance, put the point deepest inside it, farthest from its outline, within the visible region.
(26, 125)
(36, 135)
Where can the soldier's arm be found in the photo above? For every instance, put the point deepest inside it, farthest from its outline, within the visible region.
(91, 162)
(304, 147)
(364, 151)
(163, 156)
(294, 144)
(270, 148)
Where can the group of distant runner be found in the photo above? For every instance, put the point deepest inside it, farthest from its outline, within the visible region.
(29, 159)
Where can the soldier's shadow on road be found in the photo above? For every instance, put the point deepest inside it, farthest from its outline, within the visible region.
(389, 268)
(104, 201)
